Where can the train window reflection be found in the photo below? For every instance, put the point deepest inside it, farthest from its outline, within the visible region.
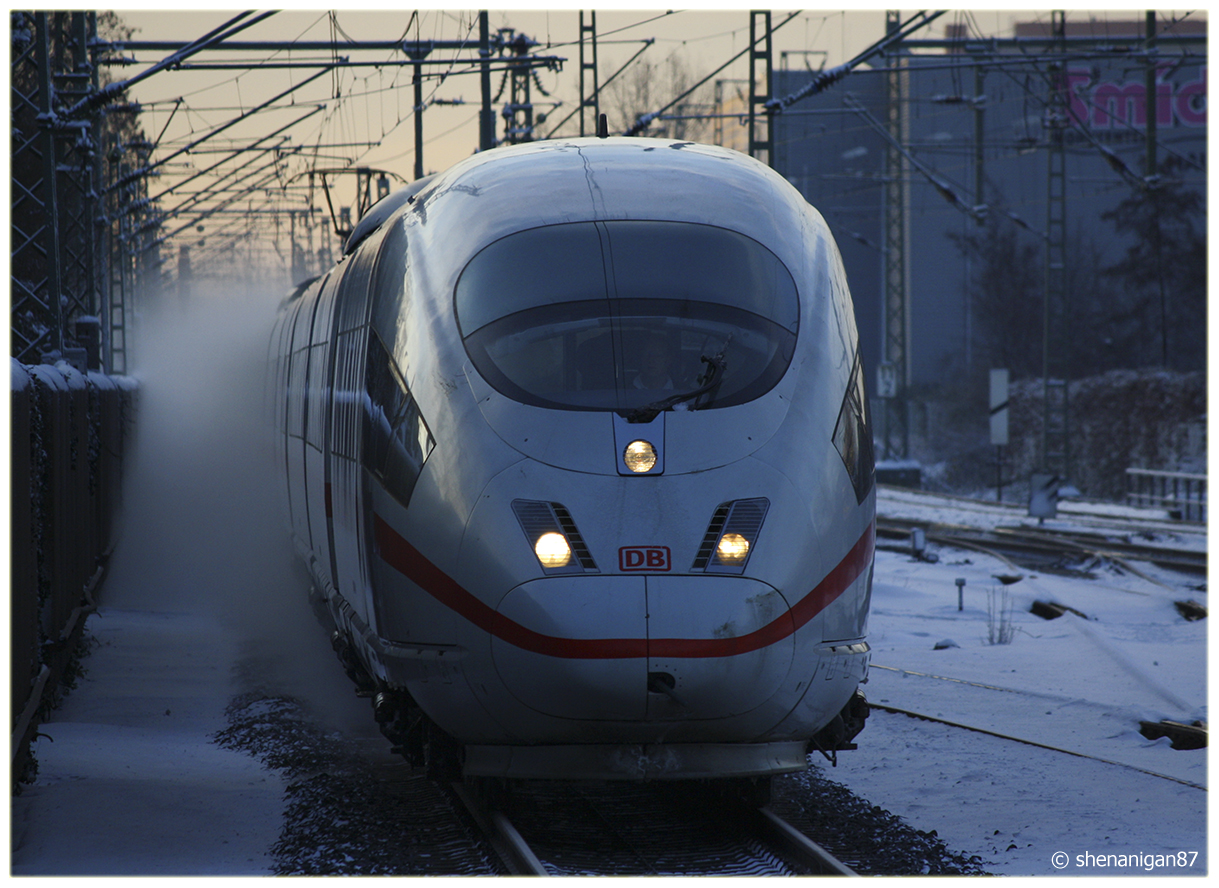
(640, 312)
(396, 439)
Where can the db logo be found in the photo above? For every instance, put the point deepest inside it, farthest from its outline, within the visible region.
(643, 558)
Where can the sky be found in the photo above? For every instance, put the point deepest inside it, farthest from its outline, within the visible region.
(367, 115)
(706, 38)
(363, 116)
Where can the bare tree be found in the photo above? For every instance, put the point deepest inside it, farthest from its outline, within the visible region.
(1163, 273)
(648, 86)
(1006, 290)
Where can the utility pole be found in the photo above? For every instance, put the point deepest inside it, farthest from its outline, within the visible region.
(761, 142)
(979, 108)
(1151, 172)
(117, 285)
(979, 114)
(589, 64)
(184, 273)
(718, 124)
(417, 51)
(50, 178)
(84, 84)
(486, 116)
(897, 238)
(298, 254)
(1151, 167)
(518, 113)
(1055, 455)
(56, 223)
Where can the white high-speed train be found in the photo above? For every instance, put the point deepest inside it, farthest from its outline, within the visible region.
(577, 450)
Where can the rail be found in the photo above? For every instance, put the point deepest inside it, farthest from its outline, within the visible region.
(803, 850)
(897, 710)
(1181, 494)
(760, 835)
(503, 837)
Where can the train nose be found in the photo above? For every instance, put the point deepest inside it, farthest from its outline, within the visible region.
(727, 643)
(643, 648)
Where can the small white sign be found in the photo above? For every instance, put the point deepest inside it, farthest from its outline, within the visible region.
(998, 407)
(1043, 496)
(886, 380)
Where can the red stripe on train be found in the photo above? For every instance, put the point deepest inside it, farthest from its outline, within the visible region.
(399, 554)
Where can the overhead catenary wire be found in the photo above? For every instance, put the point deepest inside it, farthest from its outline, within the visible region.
(826, 79)
(946, 191)
(365, 119)
(144, 171)
(646, 43)
(112, 91)
(644, 120)
(343, 117)
(340, 112)
(1115, 162)
(255, 145)
(197, 198)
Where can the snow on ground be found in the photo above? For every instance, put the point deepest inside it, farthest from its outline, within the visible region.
(1080, 684)
(130, 783)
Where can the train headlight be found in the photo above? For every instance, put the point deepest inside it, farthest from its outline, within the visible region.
(554, 537)
(552, 550)
(732, 549)
(639, 456)
(731, 536)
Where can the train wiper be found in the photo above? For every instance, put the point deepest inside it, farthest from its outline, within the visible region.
(708, 382)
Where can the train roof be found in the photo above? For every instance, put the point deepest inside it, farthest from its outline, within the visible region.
(494, 193)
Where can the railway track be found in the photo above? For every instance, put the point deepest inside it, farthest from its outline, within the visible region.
(897, 710)
(515, 854)
(815, 859)
(1054, 723)
(1041, 549)
(1022, 702)
(353, 807)
(988, 512)
(564, 830)
(1103, 546)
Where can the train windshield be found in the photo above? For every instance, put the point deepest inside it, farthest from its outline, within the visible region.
(628, 316)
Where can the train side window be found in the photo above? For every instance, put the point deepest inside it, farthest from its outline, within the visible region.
(349, 335)
(319, 362)
(351, 311)
(298, 363)
(316, 413)
(397, 441)
(853, 434)
(348, 362)
(390, 294)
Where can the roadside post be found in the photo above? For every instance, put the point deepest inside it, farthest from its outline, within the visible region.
(998, 423)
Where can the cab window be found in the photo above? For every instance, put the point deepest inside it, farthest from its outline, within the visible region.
(620, 316)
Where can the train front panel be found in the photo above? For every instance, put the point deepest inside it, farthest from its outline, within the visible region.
(529, 349)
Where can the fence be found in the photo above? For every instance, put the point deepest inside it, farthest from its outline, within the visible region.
(70, 430)
(84, 234)
(1182, 494)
